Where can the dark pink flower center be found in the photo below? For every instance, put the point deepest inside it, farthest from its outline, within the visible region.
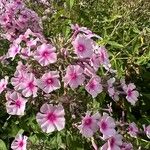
(102, 57)
(21, 144)
(92, 85)
(18, 103)
(31, 85)
(81, 48)
(129, 92)
(103, 125)
(73, 76)
(88, 121)
(112, 142)
(45, 54)
(5, 19)
(51, 117)
(49, 81)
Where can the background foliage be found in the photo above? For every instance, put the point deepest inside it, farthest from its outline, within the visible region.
(124, 26)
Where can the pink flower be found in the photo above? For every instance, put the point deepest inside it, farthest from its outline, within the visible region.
(51, 118)
(94, 87)
(45, 54)
(49, 82)
(107, 126)
(13, 51)
(19, 142)
(3, 84)
(132, 94)
(113, 143)
(29, 86)
(15, 104)
(83, 46)
(89, 124)
(133, 129)
(74, 76)
(147, 130)
(126, 146)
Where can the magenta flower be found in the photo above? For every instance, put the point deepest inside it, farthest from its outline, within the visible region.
(49, 82)
(15, 104)
(107, 126)
(45, 54)
(19, 142)
(51, 118)
(13, 51)
(89, 124)
(132, 94)
(133, 129)
(29, 86)
(3, 84)
(113, 143)
(94, 87)
(74, 76)
(83, 46)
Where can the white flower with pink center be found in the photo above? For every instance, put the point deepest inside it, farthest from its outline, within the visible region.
(51, 118)
(29, 86)
(133, 129)
(49, 82)
(89, 124)
(113, 143)
(83, 46)
(15, 104)
(107, 126)
(19, 143)
(132, 94)
(3, 84)
(13, 51)
(45, 54)
(94, 87)
(74, 76)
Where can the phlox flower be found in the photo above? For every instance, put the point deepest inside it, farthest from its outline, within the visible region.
(133, 129)
(94, 87)
(83, 46)
(49, 82)
(51, 118)
(29, 85)
(147, 130)
(107, 126)
(3, 84)
(15, 104)
(113, 143)
(13, 51)
(74, 76)
(19, 143)
(89, 124)
(126, 146)
(132, 94)
(45, 54)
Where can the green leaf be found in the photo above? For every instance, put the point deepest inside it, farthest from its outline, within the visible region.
(115, 44)
(2, 145)
(70, 3)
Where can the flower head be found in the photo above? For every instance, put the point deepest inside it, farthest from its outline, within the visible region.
(74, 76)
(45, 54)
(49, 82)
(89, 124)
(19, 142)
(51, 118)
(133, 129)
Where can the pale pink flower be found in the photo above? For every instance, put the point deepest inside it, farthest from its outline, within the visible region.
(89, 124)
(83, 46)
(25, 53)
(107, 126)
(49, 82)
(19, 143)
(45, 54)
(15, 104)
(13, 51)
(126, 146)
(94, 87)
(3, 84)
(51, 118)
(133, 129)
(74, 76)
(147, 130)
(113, 143)
(132, 94)
(29, 86)
(23, 68)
